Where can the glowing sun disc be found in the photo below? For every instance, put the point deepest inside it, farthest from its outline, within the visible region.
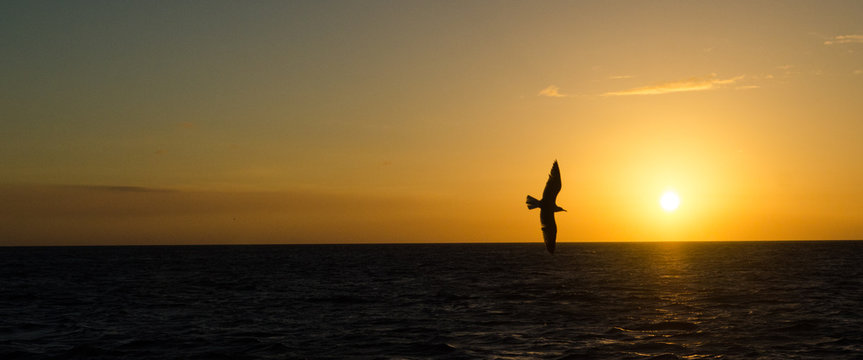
(669, 201)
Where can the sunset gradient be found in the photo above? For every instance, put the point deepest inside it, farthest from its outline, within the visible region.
(428, 121)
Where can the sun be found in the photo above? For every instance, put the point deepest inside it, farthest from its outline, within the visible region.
(669, 201)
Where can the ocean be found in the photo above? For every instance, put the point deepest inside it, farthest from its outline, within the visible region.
(686, 300)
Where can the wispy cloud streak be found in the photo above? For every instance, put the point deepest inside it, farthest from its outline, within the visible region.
(845, 39)
(691, 84)
(551, 91)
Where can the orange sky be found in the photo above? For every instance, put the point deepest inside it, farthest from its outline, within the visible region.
(311, 122)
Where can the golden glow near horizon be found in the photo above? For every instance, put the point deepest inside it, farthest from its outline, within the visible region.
(423, 121)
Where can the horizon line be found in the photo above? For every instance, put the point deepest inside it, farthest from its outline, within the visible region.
(429, 243)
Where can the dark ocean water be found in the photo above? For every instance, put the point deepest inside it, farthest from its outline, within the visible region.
(751, 300)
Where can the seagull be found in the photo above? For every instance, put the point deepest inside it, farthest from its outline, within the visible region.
(547, 207)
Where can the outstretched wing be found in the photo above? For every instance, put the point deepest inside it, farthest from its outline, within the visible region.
(549, 228)
(552, 187)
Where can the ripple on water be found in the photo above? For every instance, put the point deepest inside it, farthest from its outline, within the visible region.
(588, 301)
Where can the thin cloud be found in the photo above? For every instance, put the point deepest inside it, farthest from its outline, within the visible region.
(845, 39)
(857, 72)
(112, 215)
(691, 84)
(620, 77)
(109, 188)
(551, 91)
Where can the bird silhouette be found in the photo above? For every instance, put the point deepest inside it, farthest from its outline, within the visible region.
(547, 207)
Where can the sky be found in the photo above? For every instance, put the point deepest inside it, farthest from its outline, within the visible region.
(133, 123)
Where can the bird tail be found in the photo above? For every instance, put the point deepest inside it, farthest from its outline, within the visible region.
(532, 203)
